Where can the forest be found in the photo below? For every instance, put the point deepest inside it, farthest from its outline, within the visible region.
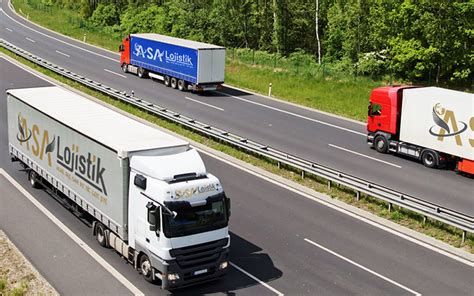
(414, 40)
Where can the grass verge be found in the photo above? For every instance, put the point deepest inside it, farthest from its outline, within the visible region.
(17, 276)
(409, 219)
(341, 94)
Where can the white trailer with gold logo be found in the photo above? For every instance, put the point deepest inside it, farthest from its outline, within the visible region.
(146, 193)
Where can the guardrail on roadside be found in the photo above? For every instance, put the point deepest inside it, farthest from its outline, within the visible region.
(420, 206)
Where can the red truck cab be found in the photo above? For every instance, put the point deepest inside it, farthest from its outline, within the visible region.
(124, 50)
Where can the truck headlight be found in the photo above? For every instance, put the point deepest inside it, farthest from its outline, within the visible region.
(224, 265)
(173, 276)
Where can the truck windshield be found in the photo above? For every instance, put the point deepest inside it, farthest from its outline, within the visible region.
(191, 220)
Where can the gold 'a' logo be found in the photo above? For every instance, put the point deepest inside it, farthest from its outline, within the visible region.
(40, 145)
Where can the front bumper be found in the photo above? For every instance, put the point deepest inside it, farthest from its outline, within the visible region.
(194, 275)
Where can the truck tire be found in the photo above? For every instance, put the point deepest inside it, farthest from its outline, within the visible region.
(381, 144)
(100, 232)
(141, 72)
(146, 268)
(34, 179)
(166, 80)
(125, 68)
(430, 159)
(174, 82)
(182, 85)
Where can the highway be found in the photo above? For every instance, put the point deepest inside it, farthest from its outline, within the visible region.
(328, 140)
(282, 242)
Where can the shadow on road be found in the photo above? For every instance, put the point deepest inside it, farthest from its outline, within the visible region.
(247, 256)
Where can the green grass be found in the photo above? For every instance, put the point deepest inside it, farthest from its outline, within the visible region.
(65, 21)
(294, 81)
(348, 97)
(403, 217)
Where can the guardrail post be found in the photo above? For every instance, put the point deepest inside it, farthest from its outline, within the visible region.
(279, 165)
(270, 89)
(302, 174)
(133, 93)
(389, 207)
(329, 185)
(84, 37)
(425, 219)
(463, 239)
(357, 195)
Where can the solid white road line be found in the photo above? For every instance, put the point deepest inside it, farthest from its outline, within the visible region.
(29, 39)
(59, 40)
(62, 53)
(73, 236)
(112, 72)
(206, 104)
(366, 156)
(256, 279)
(9, 30)
(294, 114)
(362, 267)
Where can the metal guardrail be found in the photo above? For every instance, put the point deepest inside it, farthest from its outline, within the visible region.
(420, 206)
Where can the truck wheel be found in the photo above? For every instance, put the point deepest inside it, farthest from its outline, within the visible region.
(430, 159)
(166, 80)
(125, 68)
(381, 144)
(174, 82)
(141, 72)
(100, 234)
(34, 179)
(181, 85)
(146, 268)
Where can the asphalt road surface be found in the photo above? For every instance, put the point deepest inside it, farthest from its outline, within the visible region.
(282, 242)
(331, 141)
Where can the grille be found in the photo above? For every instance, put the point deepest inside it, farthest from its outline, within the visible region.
(199, 255)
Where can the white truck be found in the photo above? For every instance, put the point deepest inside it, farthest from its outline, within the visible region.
(145, 193)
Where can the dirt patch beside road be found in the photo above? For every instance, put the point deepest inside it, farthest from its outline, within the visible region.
(17, 275)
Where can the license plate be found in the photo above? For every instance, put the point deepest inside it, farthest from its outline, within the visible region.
(198, 272)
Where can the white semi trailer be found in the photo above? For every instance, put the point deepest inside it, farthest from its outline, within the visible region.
(146, 193)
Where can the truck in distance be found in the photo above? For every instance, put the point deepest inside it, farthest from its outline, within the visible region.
(145, 193)
(431, 124)
(179, 63)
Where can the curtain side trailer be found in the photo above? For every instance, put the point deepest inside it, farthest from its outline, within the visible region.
(179, 63)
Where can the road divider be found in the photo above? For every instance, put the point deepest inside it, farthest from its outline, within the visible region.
(117, 74)
(426, 209)
(205, 104)
(363, 155)
(62, 53)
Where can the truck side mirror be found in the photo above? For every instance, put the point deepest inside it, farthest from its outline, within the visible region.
(227, 205)
(152, 217)
(121, 48)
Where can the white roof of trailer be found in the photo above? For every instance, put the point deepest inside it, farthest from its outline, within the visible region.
(177, 41)
(110, 128)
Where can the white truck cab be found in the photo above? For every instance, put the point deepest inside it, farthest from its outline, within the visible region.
(179, 220)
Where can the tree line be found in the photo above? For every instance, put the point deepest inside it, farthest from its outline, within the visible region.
(416, 40)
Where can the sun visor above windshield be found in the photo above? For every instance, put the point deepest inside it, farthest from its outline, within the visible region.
(166, 167)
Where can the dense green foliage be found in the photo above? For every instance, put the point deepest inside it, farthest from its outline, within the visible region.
(416, 40)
